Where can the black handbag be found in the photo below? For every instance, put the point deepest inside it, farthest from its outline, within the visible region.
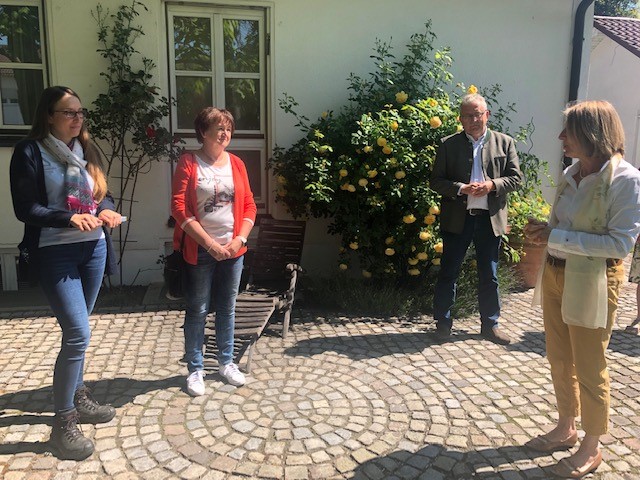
(174, 273)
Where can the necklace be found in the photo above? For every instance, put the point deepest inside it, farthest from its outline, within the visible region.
(210, 159)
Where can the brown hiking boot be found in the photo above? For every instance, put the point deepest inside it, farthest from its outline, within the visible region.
(90, 411)
(67, 438)
(495, 335)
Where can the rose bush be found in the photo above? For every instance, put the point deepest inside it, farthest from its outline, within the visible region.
(367, 166)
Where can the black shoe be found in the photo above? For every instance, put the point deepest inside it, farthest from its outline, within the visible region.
(442, 332)
(90, 411)
(495, 335)
(67, 438)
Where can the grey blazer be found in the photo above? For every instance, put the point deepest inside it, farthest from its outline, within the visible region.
(452, 169)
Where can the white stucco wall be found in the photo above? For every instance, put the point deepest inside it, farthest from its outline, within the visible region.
(524, 46)
(613, 74)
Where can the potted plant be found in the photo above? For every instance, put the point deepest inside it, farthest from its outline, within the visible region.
(527, 202)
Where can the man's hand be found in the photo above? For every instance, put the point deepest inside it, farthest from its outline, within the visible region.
(480, 189)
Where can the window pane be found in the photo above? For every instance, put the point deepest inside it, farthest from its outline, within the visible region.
(251, 159)
(192, 43)
(20, 91)
(193, 94)
(242, 98)
(19, 34)
(241, 46)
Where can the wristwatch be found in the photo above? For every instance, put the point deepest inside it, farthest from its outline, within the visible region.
(242, 239)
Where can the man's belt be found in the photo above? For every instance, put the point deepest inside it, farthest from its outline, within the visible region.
(478, 211)
(560, 262)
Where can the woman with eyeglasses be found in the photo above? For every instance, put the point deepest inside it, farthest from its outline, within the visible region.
(59, 191)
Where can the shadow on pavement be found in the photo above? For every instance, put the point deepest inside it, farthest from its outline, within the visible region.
(117, 391)
(439, 463)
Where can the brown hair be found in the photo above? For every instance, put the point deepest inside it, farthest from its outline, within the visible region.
(207, 117)
(40, 129)
(596, 126)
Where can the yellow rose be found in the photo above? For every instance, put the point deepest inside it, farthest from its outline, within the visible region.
(413, 272)
(459, 128)
(409, 218)
(401, 97)
(429, 219)
(353, 245)
(344, 186)
(434, 210)
(432, 102)
(435, 261)
(363, 182)
(367, 149)
(343, 173)
(351, 188)
(545, 210)
(366, 273)
(394, 125)
(424, 236)
(422, 256)
(413, 248)
(323, 148)
(342, 266)
(472, 89)
(389, 252)
(413, 261)
(389, 240)
(282, 180)
(372, 173)
(381, 141)
(386, 150)
(325, 114)
(438, 247)
(435, 122)
(400, 174)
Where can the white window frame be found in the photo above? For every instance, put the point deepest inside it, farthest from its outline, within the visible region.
(26, 66)
(255, 140)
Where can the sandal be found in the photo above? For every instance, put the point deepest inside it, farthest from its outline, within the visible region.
(543, 444)
(565, 469)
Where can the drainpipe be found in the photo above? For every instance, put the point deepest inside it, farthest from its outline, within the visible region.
(576, 55)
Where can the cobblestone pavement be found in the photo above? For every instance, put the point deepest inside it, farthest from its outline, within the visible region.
(341, 397)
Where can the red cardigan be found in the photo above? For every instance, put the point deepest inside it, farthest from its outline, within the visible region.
(184, 203)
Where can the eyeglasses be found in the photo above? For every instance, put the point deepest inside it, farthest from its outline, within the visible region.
(473, 116)
(82, 113)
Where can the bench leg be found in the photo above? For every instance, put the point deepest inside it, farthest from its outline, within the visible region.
(250, 354)
(285, 323)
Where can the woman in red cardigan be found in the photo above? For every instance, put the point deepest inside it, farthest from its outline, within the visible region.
(214, 210)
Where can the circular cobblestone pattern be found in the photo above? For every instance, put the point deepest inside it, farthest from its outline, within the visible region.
(341, 397)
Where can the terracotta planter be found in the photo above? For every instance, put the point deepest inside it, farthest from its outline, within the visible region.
(530, 262)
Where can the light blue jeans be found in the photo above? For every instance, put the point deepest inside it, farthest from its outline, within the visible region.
(223, 279)
(70, 276)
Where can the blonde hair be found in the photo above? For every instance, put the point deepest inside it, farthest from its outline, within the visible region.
(596, 126)
(40, 129)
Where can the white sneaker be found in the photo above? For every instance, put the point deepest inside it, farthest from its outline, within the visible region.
(232, 374)
(195, 383)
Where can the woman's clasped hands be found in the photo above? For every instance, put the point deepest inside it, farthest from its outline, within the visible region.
(537, 231)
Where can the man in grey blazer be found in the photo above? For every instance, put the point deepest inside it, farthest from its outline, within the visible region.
(474, 171)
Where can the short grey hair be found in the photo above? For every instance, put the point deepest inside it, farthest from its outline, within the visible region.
(472, 99)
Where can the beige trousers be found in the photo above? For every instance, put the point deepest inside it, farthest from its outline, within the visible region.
(577, 354)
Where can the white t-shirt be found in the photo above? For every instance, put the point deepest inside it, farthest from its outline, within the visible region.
(54, 173)
(215, 194)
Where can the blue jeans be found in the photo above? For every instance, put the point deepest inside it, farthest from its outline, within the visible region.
(477, 229)
(70, 276)
(223, 279)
